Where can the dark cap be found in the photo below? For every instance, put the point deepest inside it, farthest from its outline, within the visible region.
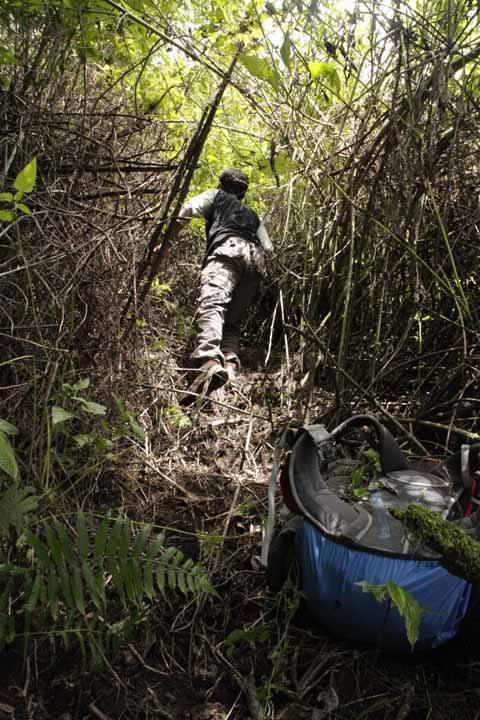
(234, 177)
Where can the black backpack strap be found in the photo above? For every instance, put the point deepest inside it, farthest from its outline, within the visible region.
(285, 441)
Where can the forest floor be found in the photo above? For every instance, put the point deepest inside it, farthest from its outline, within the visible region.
(242, 653)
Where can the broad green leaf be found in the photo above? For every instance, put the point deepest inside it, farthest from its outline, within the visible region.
(260, 68)
(326, 72)
(403, 601)
(8, 462)
(81, 440)
(409, 609)
(286, 50)
(82, 384)
(24, 208)
(59, 415)
(7, 428)
(6, 197)
(91, 407)
(379, 592)
(25, 180)
(6, 215)
(137, 429)
(18, 196)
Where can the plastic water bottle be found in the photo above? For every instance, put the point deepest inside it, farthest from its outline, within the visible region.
(380, 515)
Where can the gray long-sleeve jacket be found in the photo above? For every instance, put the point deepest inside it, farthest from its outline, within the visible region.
(226, 216)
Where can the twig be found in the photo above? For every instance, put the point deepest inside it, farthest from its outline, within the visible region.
(406, 706)
(361, 390)
(99, 714)
(140, 659)
(191, 496)
(210, 399)
(439, 426)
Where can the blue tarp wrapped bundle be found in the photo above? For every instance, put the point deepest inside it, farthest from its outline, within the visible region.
(339, 543)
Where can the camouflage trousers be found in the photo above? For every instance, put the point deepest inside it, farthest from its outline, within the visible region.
(229, 282)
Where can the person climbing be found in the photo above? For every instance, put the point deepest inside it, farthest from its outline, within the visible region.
(234, 263)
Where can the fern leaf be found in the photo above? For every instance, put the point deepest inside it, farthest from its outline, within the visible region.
(53, 591)
(95, 645)
(192, 586)
(127, 577)
(39, 548)
(148, 579)
(15, 505)
(101, 541)
(66, 586)
(114, 571)
(34, 595)
(157, 545)
(172, 579)
(160, 575)
(136, 571)
(53, 543)
(91, 584)
(124, 541)
(82, 536)
(114, 539)
(100, 584)
(77, 590)
(64, 540)
(181, 581)
(141, 540)
(81, 641)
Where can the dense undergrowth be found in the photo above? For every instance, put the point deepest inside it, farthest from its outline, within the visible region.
(359, 129)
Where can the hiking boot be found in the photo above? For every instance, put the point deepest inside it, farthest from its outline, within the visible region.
(211, 376)
(231, 368)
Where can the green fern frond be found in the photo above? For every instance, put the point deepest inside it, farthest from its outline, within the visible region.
(77, 576)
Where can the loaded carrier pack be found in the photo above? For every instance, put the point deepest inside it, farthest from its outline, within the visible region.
(338, 541)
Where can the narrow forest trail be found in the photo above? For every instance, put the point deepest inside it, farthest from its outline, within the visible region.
(244, 653)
